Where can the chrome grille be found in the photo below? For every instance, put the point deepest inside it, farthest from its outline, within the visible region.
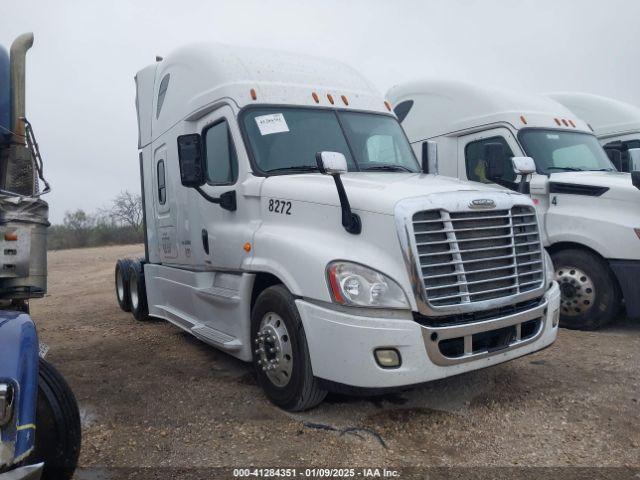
(473, 256)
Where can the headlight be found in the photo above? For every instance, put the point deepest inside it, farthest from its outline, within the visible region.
(356, 285)
(549, 271)
(6, 403)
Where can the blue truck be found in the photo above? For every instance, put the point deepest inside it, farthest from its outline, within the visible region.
(39, 418)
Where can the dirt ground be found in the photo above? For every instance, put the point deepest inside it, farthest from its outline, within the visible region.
(151, 395)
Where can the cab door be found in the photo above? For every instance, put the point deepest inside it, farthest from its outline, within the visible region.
(218, 234)
(472, 164)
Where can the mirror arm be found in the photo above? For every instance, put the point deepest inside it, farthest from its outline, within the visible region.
(227, 200)
(350, 221)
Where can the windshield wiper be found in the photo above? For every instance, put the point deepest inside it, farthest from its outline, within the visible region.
(388, 168)
(298, 168)
(566, 169)
(601, 170)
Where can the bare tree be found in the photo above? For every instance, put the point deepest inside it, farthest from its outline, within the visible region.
(127, 209)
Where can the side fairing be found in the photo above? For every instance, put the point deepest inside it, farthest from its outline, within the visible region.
(18, 368)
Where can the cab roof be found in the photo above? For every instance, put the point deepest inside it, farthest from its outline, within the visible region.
(201, 76)
(443, 107)
(606, 116)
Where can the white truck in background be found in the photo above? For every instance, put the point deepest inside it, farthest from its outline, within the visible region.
(615, 123)
(588, 211)
(289, 224)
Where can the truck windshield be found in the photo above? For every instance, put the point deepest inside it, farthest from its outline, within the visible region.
(286, 140)
(562, 151)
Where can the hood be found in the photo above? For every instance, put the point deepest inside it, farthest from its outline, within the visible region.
(618, 184)
(367, 191)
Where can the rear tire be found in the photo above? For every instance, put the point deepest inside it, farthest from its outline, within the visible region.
(279, 341)
(58, 431)
(122, 283)
(138, 292)
(590, 295)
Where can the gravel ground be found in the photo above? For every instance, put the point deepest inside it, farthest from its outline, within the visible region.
(151, 395)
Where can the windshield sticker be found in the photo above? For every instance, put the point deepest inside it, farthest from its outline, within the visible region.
(273, 123)
(553, 136)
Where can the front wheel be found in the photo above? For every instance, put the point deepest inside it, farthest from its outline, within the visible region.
(590, 296)
(281, 356)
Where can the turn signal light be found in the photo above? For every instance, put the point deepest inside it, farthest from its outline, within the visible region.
(247, 247)
(11, 237)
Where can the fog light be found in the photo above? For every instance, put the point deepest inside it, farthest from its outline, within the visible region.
(6, 403)
(555, 318)
(388, 357)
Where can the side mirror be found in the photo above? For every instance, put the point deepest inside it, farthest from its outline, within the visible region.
(494, 156)
(430, 157)
(634, 159)
(334, 163)
(191, 160)
(523, 165)
(331, 163)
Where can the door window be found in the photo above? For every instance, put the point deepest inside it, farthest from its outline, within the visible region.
(476, 164)
(222, 164)
(162, 186)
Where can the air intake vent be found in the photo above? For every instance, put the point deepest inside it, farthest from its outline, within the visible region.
(468, 257)
(573, 189)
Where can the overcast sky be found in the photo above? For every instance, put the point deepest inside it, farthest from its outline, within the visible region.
(80, 89)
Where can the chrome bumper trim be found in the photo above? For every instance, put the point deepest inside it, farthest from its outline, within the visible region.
(467, 331)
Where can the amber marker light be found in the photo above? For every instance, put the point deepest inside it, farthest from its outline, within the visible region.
(11, 237)
(388, 105)
(345, 100)
(254, 95)
(330, 97)
(523, 120)
(557, 122)
(315, 97)
(566, 124)
(247, 247)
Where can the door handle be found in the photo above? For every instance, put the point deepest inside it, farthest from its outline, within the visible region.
(205, 240)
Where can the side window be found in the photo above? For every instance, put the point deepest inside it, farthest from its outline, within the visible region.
(476, 165)
(162, 186)
(618, 153)
(222, 165)
(162, 92)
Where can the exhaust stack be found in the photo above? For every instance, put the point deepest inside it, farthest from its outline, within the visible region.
(19, 49)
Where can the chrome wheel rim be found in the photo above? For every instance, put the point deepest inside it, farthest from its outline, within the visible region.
(273, 353)
(119, 285)
(133, 291)
(577, 289)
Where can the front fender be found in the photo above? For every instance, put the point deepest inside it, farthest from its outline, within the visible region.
(18, 368)
(605, 226)
(297, 248)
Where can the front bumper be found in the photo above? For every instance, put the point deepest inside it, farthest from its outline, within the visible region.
(29, 472)
(628, 272)
(342, 345)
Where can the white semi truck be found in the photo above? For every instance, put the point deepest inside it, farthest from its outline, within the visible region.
(615, 123)
(289, 224)
(588, 211)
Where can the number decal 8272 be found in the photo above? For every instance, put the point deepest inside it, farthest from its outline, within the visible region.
(280, 206)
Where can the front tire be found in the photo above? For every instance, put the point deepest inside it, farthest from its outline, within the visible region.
(590, 293)
(58, 431)
(281, 355)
